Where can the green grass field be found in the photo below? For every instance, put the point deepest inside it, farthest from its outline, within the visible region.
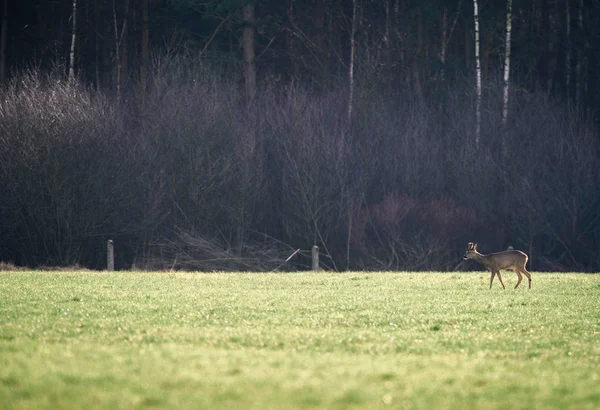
(82, 340)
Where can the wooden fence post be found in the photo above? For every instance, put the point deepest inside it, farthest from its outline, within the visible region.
(315, 258)
(110, 255)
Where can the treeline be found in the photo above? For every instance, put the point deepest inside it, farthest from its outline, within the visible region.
(188, 175)
(419, 45)
(228, 134)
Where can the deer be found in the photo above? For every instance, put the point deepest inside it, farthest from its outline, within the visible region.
(511, 259)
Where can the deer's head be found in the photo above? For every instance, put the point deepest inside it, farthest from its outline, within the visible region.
(471, 250)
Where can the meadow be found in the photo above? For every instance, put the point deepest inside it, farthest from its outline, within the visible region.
(127, 340)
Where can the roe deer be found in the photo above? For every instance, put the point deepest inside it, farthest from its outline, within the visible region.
(512, 259)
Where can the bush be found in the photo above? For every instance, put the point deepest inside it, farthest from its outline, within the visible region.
(188, 175)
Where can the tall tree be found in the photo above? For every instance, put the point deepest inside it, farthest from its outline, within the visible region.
(73, 41)
(506, 87)
(478, 74)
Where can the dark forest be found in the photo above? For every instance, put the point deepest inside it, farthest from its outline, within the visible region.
(226, 134)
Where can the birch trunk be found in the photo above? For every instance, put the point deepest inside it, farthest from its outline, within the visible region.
(352, 59)
(249, 53)
(478, 75)
(506, 89)
(73, 41)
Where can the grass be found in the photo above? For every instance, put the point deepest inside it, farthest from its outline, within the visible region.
(71, 340)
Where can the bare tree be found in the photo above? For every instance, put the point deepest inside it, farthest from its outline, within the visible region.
(478, 74)
(73, 41)
(249, 52)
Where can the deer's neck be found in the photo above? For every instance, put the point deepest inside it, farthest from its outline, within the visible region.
(483, 259)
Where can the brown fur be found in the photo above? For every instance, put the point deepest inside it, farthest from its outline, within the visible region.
(513, 259)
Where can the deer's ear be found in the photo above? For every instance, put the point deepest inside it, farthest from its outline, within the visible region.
(474, 246)
(470, 246)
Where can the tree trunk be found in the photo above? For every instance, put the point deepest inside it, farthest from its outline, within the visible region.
(96, 45)
(478, 75)
(320, 41)
(352, 58)
(507, 45)
(568, 52)
(444, 43)
(398, 33)
(125, 52)
(118, 43)
(468, 49)
(506, 85)
(446, 35)
(542, 44)
(249, 53)
(3, 35)
(320, 24)
(73, 41)
(145, 41)
(117, 51)
(291, 43)
(417, 65)
(581, 53)
(388, 26)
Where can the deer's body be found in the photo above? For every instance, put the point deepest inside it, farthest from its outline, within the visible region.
(512, 259)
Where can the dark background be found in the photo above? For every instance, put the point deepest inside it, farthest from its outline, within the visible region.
(162, 142)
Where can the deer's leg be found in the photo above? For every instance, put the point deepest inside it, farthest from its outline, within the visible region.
(492, 278)
(500, 278)
(518, 272)
(526, 273)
